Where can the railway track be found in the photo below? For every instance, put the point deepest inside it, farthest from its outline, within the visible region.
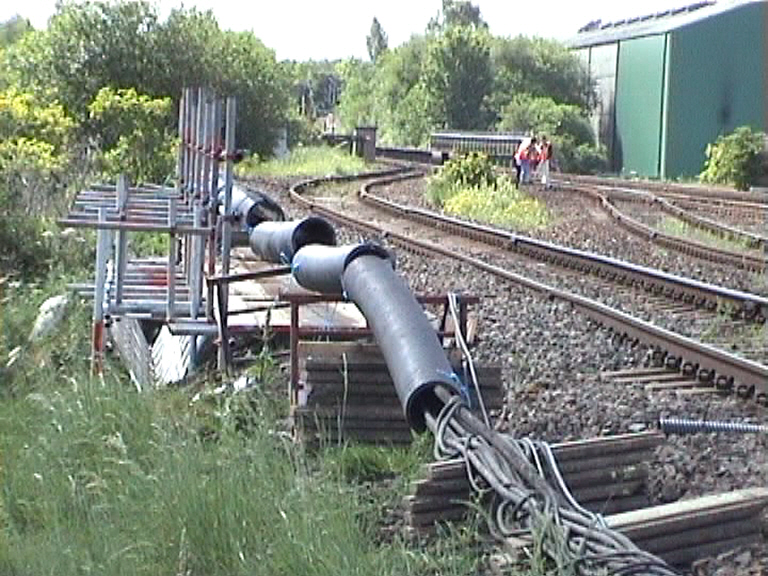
(750, 261)
(710, 364)
(748, 239)
(604, 190)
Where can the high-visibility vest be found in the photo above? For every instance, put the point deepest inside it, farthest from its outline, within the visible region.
(522, 150)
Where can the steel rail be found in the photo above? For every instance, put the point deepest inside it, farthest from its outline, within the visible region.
(662, 188)
(738, 260)
(726, 369)
(742, 261)
(712, 226)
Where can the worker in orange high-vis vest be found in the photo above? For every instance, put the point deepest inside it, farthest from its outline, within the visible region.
(525, 152)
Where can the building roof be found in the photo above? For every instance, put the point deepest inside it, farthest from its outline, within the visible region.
(597, 32)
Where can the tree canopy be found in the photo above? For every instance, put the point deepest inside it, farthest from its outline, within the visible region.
(125, 44)
(458, 76)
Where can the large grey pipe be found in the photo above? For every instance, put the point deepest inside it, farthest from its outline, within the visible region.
(416, 360)
(319, 268)
(279, 241)
(414, 355)
(243, 206)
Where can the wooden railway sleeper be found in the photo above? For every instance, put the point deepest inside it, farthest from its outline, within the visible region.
(690, 369)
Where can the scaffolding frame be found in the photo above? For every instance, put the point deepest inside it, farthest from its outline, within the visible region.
(173, 289)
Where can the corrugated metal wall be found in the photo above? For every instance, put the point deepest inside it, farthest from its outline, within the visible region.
(764, 38)
(639, 94)
(715, 84)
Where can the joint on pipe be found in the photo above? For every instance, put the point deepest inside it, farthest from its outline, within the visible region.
(319, 268)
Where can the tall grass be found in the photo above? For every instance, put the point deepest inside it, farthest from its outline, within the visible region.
(304, 161)
(98, 478)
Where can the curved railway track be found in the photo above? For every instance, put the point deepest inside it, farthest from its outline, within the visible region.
(602, 190)
(709, 363)
(752, 240)
(743, 260)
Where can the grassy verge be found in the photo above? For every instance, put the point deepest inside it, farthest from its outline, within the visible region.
(309, 161)
(100, 479)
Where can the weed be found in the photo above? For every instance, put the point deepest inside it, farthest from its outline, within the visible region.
(675, 227)
(502, 205)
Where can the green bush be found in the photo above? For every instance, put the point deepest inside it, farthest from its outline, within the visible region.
(580, 159)
(565, 124)
(734, 159)
(35, 168)
(467, 171)
(134, 134)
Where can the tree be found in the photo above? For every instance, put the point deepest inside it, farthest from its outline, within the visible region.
(376, 40)
(134, 134)
(565, 124)
(538, 67)
(734, 158)
(124, 44)
(35, 155)
(358, 98)
(458, 78)
(13, 29)
(457, 13)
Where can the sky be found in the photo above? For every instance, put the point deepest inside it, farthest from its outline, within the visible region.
(333, 29)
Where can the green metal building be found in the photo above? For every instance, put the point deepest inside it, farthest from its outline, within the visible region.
(669, 83)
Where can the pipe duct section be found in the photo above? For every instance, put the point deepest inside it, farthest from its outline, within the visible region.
(252, 207)
(415, 357)
(319, 268)
(278, 241)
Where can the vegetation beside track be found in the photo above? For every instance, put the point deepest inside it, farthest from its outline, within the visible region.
(304, 161)
(469, 187)
(677, 227)
(98, 477)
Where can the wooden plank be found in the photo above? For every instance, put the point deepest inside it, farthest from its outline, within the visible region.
(616, 374)
(435, 503)
(604, 445)
(367, 436)
(609, 491)
(572, 466)
(365, 393)
(604, 476)
(668, 512)
(654, 379)
(336, 374)
(133, 349)
(680, 384)
(351, 412)
(431, 487)
(690, 537)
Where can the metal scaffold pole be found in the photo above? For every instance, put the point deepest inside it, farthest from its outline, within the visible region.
(102, 255)
(226, 227)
